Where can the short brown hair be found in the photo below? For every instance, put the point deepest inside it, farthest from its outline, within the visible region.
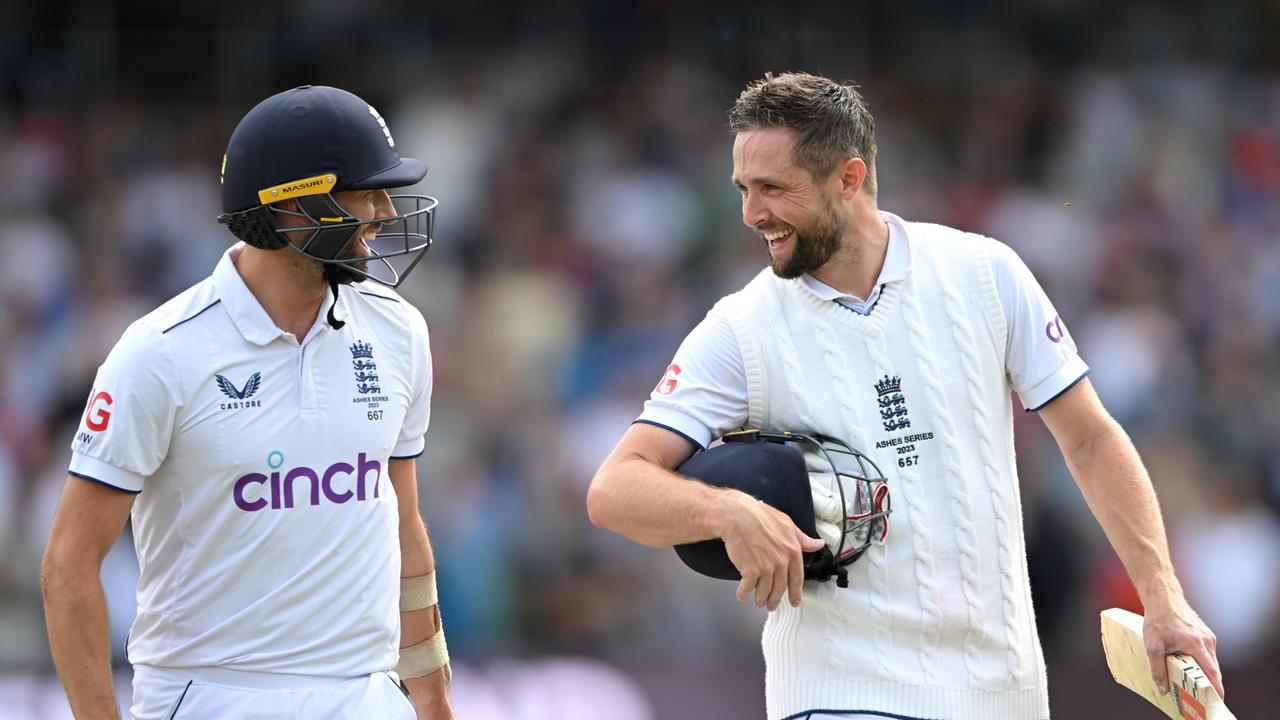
(831, 120)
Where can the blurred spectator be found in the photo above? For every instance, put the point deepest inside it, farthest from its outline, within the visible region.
(1130, 154)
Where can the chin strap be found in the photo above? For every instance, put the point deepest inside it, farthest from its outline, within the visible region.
(332, 319)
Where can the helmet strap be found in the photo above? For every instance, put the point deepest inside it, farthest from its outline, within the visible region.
(331, 275)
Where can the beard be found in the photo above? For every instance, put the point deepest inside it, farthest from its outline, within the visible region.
(815, 243)
(343, 272)
(311, 270)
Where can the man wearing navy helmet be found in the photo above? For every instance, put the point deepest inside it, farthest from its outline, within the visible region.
(261, 429)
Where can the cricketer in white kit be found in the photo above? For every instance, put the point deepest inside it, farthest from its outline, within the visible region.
(261, 550)
(260, 430)
(903, 340)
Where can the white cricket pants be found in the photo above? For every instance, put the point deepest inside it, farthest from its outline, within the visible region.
(215, 694)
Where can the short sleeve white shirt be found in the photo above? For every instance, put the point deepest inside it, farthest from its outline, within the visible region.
(703, 393)
(266, 525)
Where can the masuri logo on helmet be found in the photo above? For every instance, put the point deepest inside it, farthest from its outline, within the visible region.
(304, 145)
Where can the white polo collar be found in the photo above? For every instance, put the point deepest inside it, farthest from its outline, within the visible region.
(244, 309)
(896, 268)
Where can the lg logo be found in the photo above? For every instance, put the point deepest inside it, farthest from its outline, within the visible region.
(668, 383)
(96, 416)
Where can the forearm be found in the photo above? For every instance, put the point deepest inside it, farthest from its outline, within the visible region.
(430, 691)
(416, 560)
(1119, 492)
(655, 507)
(1116, 486)
(76, 617)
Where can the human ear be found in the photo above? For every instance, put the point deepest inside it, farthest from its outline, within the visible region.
(852, 172)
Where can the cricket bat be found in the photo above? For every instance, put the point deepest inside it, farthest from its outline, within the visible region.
(1190, 697)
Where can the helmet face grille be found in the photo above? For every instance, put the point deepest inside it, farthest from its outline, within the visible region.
(829, 490)
(330, 232)
(324, 230)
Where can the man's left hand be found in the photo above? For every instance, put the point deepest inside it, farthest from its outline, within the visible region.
(1172, 626)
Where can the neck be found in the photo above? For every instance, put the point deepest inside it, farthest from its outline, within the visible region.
(856, 266)
(289, 287)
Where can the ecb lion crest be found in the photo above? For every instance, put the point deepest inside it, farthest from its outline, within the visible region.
(366, 370)
(893, 406)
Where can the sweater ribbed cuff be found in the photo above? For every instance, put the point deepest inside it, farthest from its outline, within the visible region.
(912, 701)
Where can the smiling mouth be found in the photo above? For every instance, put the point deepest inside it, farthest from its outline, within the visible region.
(776, 238)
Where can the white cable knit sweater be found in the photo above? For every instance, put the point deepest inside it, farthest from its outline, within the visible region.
(936, 623)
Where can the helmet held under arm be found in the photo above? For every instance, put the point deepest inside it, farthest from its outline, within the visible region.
(828, 489)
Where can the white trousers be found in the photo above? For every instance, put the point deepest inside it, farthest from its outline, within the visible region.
(215, 694)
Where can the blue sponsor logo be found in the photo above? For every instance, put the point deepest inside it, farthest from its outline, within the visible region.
(240, 396)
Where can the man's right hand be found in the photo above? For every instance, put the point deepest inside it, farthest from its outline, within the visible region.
(766, 547)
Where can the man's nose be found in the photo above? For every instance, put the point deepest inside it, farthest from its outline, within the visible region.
(382, 205)
(753, 210)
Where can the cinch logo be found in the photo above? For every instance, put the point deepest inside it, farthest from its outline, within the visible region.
(1054, 329)
(339, 483)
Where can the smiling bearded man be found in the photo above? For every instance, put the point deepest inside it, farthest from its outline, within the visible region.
(904, 340)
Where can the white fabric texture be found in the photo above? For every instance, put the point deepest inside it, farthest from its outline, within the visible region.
(266, 526)
(176, 695)
(938, 621)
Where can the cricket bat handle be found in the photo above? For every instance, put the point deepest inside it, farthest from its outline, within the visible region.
(1191, 696)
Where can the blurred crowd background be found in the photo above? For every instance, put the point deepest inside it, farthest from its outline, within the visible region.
(1130, 152)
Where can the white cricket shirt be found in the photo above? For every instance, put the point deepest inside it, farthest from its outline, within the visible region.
(703, 393)
(266, 525)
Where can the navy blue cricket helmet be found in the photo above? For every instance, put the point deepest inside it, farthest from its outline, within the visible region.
(772, 467)
(304, 144)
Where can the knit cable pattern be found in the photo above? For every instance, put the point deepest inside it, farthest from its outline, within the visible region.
(962, 333)
(922, 529)
(836, 631)
(961, 503)
(838, 365)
